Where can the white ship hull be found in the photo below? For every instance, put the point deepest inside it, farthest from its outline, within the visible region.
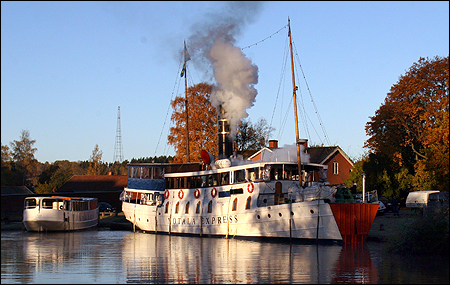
(59, 214)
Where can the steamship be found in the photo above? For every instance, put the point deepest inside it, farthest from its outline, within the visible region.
(272, 195)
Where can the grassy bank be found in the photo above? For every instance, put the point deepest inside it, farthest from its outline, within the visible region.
(410, 233)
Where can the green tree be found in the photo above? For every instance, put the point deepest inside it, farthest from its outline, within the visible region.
(57, 179)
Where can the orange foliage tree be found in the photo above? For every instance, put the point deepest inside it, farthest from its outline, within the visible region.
(412, 126)
(202, 123)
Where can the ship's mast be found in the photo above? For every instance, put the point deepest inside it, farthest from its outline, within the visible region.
(300, 179)
(186, 58)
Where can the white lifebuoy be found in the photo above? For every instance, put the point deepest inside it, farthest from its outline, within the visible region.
(196, 193)
(214, 192)
(166, 194)
(250, 187)
(180, 194)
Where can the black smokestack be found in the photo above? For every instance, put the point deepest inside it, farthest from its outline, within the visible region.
(225, 142)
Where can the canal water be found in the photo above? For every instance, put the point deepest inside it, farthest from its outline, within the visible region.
(103, 256)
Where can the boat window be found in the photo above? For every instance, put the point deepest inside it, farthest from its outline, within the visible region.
(276, 172)
(30, 203)
(239, 176)
(197, 209)
(223, 194)
(289, 172)
(48, 203)
(167, 208)
(198, 182)
(237, 191)
(224, 178)
(210, 180)
(253, 173)
(146, 173)
(188, 182)
(135, 172)
(176, 207)
(248, 203)
(182, 182)
(234, 205)
(204, 181)
(210, 207)
(187, 208)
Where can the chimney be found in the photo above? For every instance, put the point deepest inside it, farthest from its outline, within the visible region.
(273, 144)
(225, 143)
(303, 142)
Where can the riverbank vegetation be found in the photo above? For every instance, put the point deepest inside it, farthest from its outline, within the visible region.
(409, 134)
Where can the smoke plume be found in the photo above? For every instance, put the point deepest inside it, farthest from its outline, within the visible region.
(211, 45)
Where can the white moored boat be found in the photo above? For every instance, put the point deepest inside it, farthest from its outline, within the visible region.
(60, 213)
(268, 196)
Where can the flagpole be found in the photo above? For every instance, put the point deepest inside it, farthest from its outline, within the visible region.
(186, 105)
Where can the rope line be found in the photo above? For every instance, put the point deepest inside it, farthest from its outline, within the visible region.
(265, 38)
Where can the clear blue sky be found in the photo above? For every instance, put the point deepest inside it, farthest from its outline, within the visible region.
(67, 66)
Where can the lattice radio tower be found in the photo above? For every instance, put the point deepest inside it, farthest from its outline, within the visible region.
(118, 148)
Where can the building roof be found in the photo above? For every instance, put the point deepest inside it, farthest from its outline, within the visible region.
(323, 154)
(94, 183)
(6, 190)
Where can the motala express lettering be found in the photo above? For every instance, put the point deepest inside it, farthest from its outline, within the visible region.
(213, 220)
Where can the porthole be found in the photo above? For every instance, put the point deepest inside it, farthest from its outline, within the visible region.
(312, 211)
(264, 200)
(280, 214)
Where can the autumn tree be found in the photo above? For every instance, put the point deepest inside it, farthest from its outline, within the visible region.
(23, 157)
(253, 137)
(202, 122)
(95, 162)
(411, 128)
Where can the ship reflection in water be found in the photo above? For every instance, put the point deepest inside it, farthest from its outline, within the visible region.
(149, 258)
(126, 257)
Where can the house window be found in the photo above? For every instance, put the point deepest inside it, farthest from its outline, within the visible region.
(335, 168)
(248, 204)
(187, 208)
(176, 207)
(197, 209)
(234, 204)
(210, 207)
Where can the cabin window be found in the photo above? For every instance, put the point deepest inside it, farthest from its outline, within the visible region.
(197, 209)
(335, 168)
(30, 203)
(248, 203)
(176, 207)
(47, 203)
(276, 172)
(187, 208)
(146, 173)
(234, 204)
(188, 182)
(253, 173)
(236, 191)
(290, 172)
(204, 181)
(239, 176)
(167, 208)
(210, 207)
(224, 178)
